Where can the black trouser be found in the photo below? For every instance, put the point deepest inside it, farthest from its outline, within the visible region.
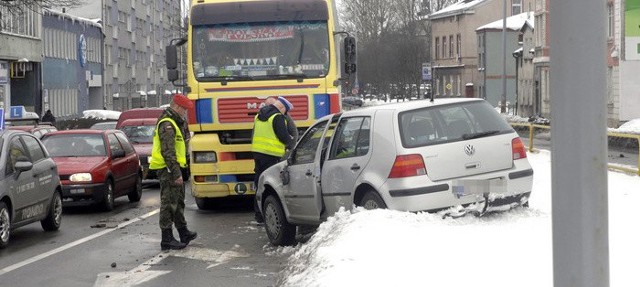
(262, 162)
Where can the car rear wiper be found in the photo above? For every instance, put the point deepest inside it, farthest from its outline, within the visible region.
(479, 135)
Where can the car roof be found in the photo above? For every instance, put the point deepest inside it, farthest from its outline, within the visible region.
(410, 105)
(80, 131)
(8, 132)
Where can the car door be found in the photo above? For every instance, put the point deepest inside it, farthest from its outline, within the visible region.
(119, 165)
(133, 161)
(23, 189)
(302, 194)
(44, 170)
(348, 156)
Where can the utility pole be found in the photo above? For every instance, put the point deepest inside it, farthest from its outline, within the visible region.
(579, 143)
(503, 108)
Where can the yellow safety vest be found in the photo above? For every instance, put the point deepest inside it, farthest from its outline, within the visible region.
(265, 140)
(157, 161)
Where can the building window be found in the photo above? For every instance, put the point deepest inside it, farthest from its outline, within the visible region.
(444, 46)
(516, 7)
(610, 20)
(451, 48)
(458, 45)
(437, 49)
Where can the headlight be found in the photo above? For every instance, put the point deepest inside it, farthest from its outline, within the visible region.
(204, 157)
(80, 177)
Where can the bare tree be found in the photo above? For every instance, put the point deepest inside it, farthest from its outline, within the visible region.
(18, 6)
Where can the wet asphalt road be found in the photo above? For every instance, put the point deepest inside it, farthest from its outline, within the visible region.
(231, 250)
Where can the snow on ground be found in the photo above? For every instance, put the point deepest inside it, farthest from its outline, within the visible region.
(391, 248)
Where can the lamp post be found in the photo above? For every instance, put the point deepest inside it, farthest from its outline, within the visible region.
(503, 107)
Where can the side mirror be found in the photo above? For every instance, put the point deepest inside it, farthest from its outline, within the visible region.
(172, 75)
(23, 164)
(349, 55)
(118, 154)
(171, 57)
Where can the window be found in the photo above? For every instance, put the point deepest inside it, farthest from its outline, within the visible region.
(35, 150)
(26, 23)
(16, 150)
(451, 48)
(516, 7)
(128, 148)
(305, 151)
(610, 20)
(352, 138)
(444, 46)
(114, 144)
(437, 48)
(458, 45)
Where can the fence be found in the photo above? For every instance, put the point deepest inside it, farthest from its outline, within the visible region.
(532, 128)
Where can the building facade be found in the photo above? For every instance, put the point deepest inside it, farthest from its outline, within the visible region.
(455, 43)
(72, 66)
(541, 59)
(136, 33)
(20, 59)
(526, 103)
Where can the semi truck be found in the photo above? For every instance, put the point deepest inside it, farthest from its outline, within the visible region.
(239, 53)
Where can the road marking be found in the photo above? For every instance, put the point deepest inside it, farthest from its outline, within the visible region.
(141, 274)
(73, 244)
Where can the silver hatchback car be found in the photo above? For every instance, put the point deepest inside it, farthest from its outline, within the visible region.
(457, 155)
(29, 184)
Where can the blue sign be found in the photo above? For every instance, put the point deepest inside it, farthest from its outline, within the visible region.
(426, 71)
(16, 112)
(1, 119)
(82, 50)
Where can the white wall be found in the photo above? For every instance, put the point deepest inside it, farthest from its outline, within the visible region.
(629, 90)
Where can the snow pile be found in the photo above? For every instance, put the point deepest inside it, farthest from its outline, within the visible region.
(101, 114)
(630, 127)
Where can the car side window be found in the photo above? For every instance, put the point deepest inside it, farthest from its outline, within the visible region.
(308, 145)
(114, 144)
(352, 138)
(35, 149)
(16, 150)
(128, 148)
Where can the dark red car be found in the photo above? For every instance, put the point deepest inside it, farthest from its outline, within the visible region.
(95, 166)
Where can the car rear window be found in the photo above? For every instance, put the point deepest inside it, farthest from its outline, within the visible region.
(139, 134)
(449, 123)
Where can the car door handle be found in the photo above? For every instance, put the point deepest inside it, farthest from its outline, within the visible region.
(308, 173)
(355, 167)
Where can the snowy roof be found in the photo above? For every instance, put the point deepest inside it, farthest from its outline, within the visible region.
(457, 8)
(514, 23)
(92, 22)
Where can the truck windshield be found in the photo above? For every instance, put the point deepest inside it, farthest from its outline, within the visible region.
(260, 51)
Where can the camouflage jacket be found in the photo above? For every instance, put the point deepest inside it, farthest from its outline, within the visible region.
(166, 133)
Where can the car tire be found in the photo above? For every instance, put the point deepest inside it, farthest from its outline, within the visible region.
(54, 217)
(107, 198)
(371, 200)
(136, 194)
(5, 225)
(279, 230)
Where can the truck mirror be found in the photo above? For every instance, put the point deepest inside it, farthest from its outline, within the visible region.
(349, 55)
(172, 57)
(172, 75)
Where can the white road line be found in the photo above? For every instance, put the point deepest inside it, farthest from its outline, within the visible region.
(72, 244)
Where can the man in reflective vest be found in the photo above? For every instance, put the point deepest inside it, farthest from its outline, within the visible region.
(270, 139)
(168, 156)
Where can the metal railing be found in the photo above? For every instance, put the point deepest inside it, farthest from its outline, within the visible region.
(636, 170)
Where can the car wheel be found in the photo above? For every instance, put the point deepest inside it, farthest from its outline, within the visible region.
(371, 200)
(54, 218)
(5, 225)
(136, 193)
(107, 199)
(279, 230)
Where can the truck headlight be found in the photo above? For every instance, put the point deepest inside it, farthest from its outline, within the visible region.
(205, 157)
(76, 177)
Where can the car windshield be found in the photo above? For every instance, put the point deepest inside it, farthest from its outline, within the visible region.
(448, 123)
(257, 51)
(75, 145)
(139, 134)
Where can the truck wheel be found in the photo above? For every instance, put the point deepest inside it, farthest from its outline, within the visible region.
(371, 200)
(136, 193)
(54, 218)
(202, 203)
(279, 230)
(5, 225)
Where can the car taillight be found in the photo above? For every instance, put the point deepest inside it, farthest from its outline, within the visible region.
(517, 149)
(408, 165)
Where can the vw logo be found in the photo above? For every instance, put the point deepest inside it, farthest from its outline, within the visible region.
(469, 150)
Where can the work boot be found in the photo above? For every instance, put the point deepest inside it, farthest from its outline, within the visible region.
(169, 242)
(186, 236)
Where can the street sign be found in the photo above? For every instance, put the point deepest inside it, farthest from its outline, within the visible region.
(426, 71)
(1, 119)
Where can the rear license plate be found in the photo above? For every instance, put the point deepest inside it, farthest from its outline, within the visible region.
(77, 191)
(465, 187)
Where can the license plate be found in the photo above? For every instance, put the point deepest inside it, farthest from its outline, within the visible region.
(465, 187)
(77, 191)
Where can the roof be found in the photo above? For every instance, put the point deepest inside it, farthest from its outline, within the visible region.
(514, 23)
(92, 22)
(460, 7)
(410, 105)
(78, 131)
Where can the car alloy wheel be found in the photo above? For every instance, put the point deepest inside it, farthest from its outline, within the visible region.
(54, 217)
(5, 225)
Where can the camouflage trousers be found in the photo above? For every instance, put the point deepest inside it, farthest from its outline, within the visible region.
(171, 201)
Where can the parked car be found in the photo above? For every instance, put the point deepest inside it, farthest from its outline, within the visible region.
(30, 188)
(139, 125)
(38, 129)
(413, 156)
(108, 125)
(95, 166)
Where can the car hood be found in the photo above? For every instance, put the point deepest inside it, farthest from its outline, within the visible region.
(143, 149)
(70, 165)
